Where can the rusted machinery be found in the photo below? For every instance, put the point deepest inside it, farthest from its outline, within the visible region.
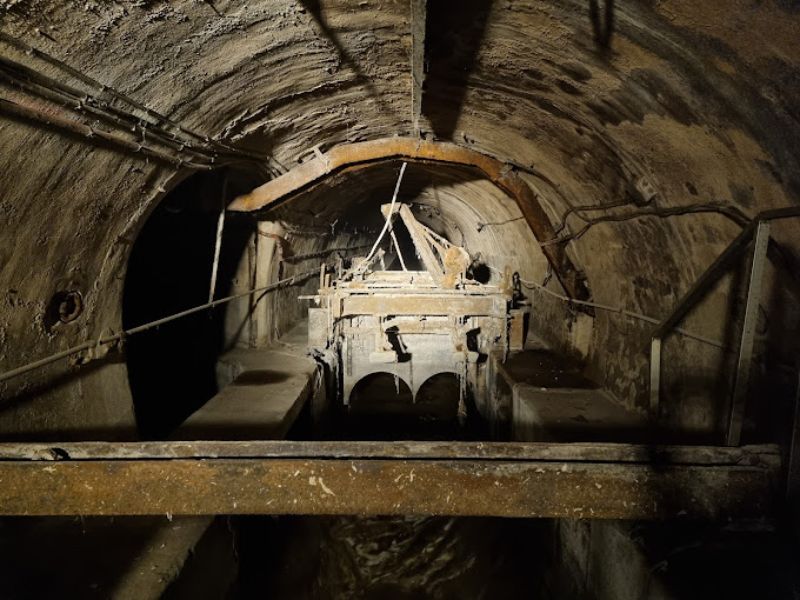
(413, 324)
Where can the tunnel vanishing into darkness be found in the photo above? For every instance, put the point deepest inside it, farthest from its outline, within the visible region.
(574, 374)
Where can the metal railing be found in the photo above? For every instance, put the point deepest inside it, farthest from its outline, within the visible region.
(756, 232)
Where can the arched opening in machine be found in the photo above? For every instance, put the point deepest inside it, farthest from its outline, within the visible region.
(382, 406)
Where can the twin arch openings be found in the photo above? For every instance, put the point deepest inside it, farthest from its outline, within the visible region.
(431, 389)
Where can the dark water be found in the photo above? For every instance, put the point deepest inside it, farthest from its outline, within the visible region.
(392, 558)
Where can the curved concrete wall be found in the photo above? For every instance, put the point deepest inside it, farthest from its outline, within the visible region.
(699, 100)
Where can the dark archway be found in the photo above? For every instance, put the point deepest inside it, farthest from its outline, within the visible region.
(439, 395)
(383, 407)
(171, 369)
(380, 393)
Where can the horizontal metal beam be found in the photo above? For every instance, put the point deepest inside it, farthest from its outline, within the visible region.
(508, 480)
(754, 455)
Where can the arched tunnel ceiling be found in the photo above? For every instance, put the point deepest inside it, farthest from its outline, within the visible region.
(698, 99)
(456, 202)
(436, 155)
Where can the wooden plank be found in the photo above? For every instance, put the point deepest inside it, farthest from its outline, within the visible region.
(381, 304)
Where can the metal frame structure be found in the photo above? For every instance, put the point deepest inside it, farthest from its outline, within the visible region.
(413, 325)
(758, 232)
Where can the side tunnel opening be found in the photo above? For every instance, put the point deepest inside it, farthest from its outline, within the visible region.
(171, 368)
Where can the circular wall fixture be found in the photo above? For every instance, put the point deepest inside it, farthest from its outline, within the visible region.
(70, 306)
(65, 306)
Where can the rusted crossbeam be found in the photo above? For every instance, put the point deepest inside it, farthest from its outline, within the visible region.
(508, 480)
(356, 156)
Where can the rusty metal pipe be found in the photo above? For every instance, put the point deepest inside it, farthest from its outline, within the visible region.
(83, 130)
(101, 87)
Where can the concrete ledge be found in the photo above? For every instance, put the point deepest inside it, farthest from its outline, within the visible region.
(566, 414)
(96, 557)
(267, 391)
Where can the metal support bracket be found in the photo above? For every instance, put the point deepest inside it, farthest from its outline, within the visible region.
(759, 228)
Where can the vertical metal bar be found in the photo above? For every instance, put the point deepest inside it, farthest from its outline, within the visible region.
(252, 301)
(743, 364)
(655, 376)
(218, 242)
(793, 471)
(217, 246)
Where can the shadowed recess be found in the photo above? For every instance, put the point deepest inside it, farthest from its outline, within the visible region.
(456, 31)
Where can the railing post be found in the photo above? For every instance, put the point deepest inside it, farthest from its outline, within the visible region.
(793, 470)
(655, 376)
(745, 359)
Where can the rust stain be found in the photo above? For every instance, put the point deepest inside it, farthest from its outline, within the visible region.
(326, 485)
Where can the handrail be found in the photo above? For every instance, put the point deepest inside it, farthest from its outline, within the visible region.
(759, 229)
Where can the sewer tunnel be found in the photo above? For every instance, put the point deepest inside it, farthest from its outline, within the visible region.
(604, 165)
